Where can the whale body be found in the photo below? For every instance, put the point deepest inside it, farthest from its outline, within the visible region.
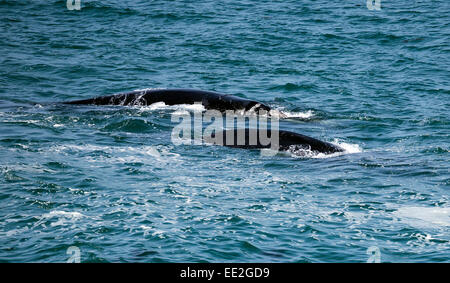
(222, 102)
(251, 139)
(209, 99)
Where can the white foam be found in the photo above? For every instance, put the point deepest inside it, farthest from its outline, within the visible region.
(302, 115)
(307, 153)
(348, 147)
(282, 114)
(88, 147)
(179, 108)
(154, 232)
(424, 216)
(149, 150)
(62, 217)
(13, 232)
(122, 154)
(62, 213)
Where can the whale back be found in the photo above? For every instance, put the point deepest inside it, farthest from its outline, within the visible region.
(209, 99)
(254, 139)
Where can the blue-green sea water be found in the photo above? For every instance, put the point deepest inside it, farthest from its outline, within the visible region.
(109, 181)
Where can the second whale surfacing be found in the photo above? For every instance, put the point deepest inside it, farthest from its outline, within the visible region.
(274, 139)
(209, 99)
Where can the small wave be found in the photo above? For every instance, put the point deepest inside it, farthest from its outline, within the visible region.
(105, 8)
(291, 87)
(130, 125)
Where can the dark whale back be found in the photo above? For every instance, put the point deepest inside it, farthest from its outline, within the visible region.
(221, 102)
(286, 140)
(209, 99)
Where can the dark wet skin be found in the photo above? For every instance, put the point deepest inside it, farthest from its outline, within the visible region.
(216, 101)
(287, 140)
(209, 99)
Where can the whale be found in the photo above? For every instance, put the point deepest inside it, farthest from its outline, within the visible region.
(238, 138)
(209, 99)
(250, 138)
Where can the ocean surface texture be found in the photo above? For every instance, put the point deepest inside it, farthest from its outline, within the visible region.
(107, 184)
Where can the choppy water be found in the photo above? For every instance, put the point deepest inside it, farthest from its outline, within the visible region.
(109, 181)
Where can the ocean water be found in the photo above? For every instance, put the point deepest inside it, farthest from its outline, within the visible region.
(109, 183)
